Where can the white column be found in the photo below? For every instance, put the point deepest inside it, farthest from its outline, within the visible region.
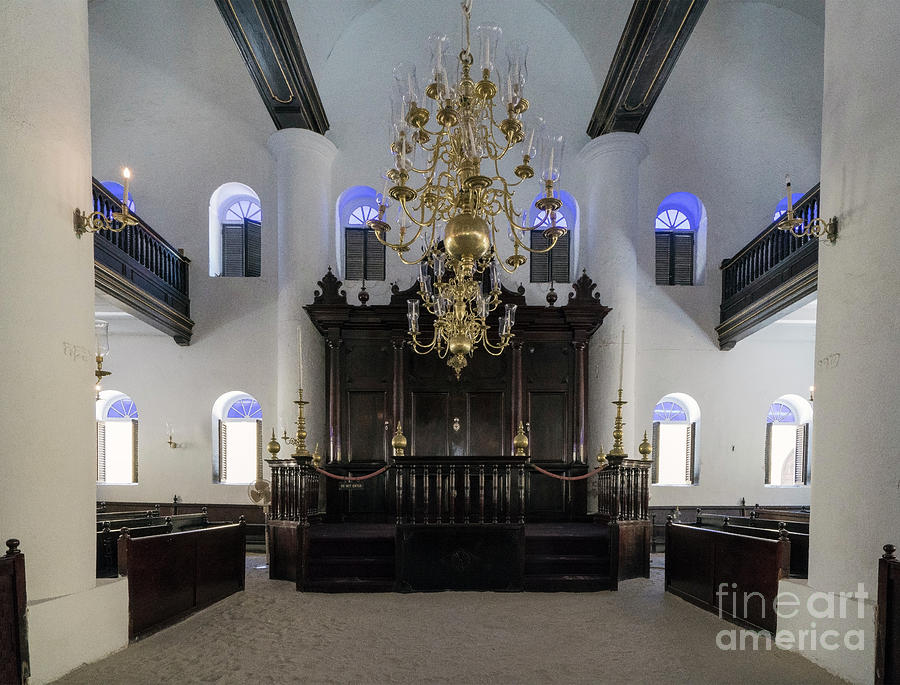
(609, 224)
(303, 162)
(855, 480)
(48, 453)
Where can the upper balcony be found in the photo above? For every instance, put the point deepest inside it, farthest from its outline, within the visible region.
(141, 270)
(772, 272)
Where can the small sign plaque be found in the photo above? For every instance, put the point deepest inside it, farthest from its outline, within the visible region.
(350, 485)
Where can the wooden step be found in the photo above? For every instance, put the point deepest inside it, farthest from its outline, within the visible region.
(350, 585)
(566, 583)
(555, 564)
(351, 567)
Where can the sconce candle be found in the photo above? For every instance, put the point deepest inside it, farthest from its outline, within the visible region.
(126, 174)
(622, 359)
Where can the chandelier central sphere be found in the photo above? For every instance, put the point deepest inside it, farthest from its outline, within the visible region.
(448, 221)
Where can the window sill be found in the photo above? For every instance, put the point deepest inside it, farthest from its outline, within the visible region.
(106, 482)
(795, 485)
(673, 485)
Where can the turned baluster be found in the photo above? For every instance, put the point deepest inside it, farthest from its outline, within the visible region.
(508, 474)
(466, 493)
(494, 498)
(426, 477)
(439, 486)
(481, 491)
(398, 480)
(412, 496)
(521, 493)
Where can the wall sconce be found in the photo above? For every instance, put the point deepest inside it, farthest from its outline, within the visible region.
(101, 334)
(170, 429)
(812, 389)
(98, 221)
(795, 225)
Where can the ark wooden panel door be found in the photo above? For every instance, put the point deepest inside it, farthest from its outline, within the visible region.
(366, 434)
(486, 418)
(430, 412)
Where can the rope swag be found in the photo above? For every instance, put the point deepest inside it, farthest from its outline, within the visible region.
(366, 477)
(567, 478)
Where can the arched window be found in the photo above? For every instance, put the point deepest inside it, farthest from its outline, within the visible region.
(555, 265)
(680, 229)
(117, 438)
(675, 420)
(116, 189)
(781, 207)
(237, 424)
(363, 257)
(235, 231)
(787, 441)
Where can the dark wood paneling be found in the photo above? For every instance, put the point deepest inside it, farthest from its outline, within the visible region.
(633, 539)
(485, 423)
(14, 662)
(283, 550)
(367, 412)
(549, 433)
(460, 558)
(430, 424)
(653, 38)
(172, 575)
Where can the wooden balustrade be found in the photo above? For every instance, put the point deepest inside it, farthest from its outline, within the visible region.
(771, 272)
(136, 263)
(431, 490)
(296, 491)
(623, 492)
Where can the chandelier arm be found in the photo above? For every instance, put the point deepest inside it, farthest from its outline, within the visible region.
(397, 247)
(421, 224)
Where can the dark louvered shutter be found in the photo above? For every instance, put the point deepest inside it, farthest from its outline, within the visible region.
(663, 257)
(253, 248)
(540, 262)
(354, 254)
(768, 453)
(232, 249)
(655, 472)
(374, 257)
(559, 260)
(801, 455)
(134, 450)
(689, 453)
(683, 259)
(221, 476)
(259, 449)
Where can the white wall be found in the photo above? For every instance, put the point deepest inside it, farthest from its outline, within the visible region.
(741, 108)
(191, 121)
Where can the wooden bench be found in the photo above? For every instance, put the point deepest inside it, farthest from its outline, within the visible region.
(107, 550)
(182, 522)
(718, 521)
(14, 666)
(780, 514)
(735, 576)
(799, 545)
(113, 515)
(144, 518)
(887, 628)
(173, 575)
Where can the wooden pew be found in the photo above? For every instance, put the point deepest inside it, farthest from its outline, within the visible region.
(718, 521)
(887, 629)
(702, 564)
(113, 515)
(173, 575)
(780, 514)
(14, 665)
(146, 518)
(799, 545)
(107, 550)
(182, 522)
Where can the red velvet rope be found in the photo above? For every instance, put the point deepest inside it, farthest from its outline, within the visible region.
(337, 477)
(556, 475)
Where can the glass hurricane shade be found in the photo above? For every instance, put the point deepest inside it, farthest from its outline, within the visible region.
(551, 150)
(406, 84)
(487, 37)
(517, 73)
(101, 336)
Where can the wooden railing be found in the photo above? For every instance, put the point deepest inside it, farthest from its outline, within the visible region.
(14, 660)
(295, 490)
(139, 262)
(771, 272)
(436, 490)
(623, 491)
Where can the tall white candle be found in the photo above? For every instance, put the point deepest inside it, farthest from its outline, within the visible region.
(300, 351)
(622, 359)
(550, 166)
(126, 174)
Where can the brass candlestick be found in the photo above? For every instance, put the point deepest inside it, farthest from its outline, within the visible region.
(617, 453)
(299, 442)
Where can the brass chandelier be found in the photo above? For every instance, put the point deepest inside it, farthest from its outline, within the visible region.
(455, 212)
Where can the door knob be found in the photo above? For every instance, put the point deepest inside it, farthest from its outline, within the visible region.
(456, 424)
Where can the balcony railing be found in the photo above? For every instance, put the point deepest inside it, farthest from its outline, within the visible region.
(773, 271)
(143, 271)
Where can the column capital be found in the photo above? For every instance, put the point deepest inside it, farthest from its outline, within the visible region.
(611, 143)
(301, 141)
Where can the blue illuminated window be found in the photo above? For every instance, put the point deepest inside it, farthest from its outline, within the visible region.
(669, 411)
(122, 409)
(243, 209)
(678, 221)
(246, 408)
(780, 413)
(360, 215)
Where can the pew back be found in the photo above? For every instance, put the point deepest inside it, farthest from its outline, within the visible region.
(781, 514)
(718, 521)
(703, 564)
(173, 575)
(14, 666)
(799, 545)
(887, 630)
(121, 515)
(107, 549)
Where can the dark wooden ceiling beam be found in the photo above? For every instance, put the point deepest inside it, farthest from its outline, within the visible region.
(265, 33)
(653, 38)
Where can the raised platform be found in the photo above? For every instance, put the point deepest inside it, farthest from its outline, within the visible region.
(375, 557)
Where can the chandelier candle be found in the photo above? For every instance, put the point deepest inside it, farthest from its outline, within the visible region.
(622, 359)
(450, 218)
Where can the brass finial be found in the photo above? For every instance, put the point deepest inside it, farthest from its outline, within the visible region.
(520, 442)
(398, 442)
(316, 456)
(645, 447)
(274, 447)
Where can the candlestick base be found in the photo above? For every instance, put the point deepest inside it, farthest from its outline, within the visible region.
(617, 454)
(299, 442)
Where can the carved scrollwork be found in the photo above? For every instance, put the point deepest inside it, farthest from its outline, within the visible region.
(330, 290)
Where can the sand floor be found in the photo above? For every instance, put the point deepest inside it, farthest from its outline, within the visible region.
(272, 634)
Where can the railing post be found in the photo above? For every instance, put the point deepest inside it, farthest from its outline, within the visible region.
(466, 493)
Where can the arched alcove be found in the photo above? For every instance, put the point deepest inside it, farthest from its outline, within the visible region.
(231, 203)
